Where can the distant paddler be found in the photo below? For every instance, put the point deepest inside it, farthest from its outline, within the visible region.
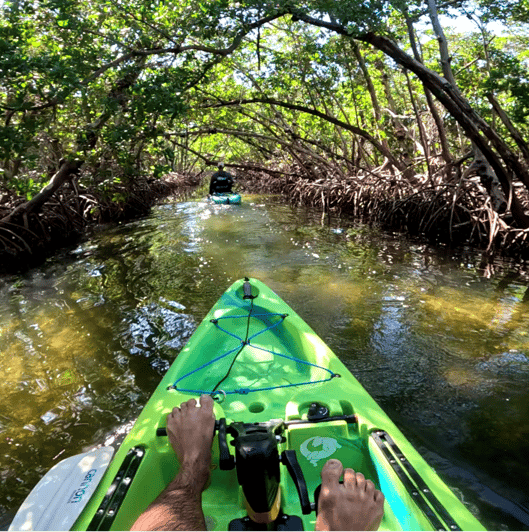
(221, 181)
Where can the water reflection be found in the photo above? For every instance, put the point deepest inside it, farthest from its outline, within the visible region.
(157, 332)
(437, 338)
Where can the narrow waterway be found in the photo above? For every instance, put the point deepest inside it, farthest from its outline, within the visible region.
(441, 342)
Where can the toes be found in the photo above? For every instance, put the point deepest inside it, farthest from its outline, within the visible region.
(206, 402)
(175, 412)
(370, 488)
(360, 481)
(379, 497)
(188, 404)
(357, 481)
(331, 473)
(349, 478)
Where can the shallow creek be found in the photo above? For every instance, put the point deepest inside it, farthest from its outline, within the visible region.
(441, 342)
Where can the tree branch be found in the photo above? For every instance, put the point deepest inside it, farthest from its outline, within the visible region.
(296, 107)
(65, 172)
(222, 52)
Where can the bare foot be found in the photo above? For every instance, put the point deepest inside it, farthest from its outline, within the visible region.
(179, 506)
(190, 429)
(353, 505)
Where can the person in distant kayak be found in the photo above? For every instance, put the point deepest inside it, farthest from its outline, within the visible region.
(353, 505)
(221, 181)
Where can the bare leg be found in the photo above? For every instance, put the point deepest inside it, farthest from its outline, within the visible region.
(353, 505)
(179, 506)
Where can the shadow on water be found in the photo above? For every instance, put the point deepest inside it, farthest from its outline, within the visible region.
(439, 341)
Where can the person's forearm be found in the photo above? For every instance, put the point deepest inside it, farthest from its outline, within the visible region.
(178, 507)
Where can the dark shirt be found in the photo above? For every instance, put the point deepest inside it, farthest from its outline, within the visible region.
(221, 182)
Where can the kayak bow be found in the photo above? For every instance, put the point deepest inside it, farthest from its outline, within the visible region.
(283, 394)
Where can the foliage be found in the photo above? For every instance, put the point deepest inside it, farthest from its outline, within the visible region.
(148, 87)
(505, 10)
(511, 76)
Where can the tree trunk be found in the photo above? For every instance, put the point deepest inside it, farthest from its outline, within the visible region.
(422, 131)
(445, 148)
(65, 173)
(443, 45)
(489, 180)
(370, 88)
(472, 123)
(369, 81)
(515, 134)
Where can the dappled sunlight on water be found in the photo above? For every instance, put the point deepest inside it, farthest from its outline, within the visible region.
(439, 341)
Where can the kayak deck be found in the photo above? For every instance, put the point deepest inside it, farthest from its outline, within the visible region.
(262, 345)
(264, 363)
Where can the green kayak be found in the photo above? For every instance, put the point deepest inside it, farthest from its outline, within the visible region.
(275, 382)
(226, 198)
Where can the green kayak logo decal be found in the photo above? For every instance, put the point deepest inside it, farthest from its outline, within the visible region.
(317, 448)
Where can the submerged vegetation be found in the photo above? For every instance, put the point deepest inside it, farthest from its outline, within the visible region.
(384, 109)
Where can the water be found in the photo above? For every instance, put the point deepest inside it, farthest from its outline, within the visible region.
(439, 340)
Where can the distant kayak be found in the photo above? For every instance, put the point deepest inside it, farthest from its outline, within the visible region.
(284, 405)
(226, 198)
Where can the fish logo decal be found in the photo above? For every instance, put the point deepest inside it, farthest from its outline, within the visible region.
(317, 448)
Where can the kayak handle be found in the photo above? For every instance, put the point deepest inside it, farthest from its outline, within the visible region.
(348, 418)
(247, 289)
(226, 460)
(290, 460)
